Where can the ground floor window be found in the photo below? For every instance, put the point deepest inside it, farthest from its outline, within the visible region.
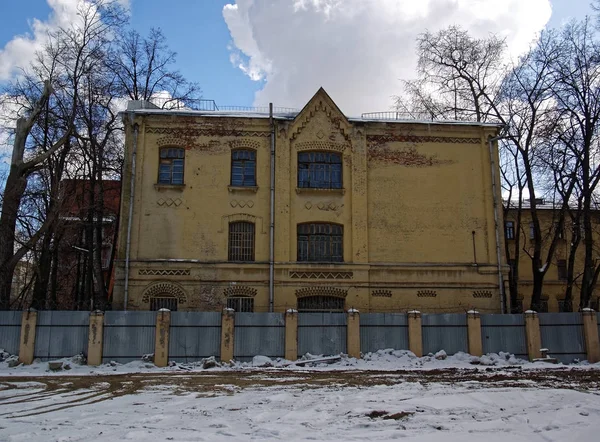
(320, 304)
(158, 302)
(241, 304)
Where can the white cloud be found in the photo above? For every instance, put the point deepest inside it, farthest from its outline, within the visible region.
(358, 50)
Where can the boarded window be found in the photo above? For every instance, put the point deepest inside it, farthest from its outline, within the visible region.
(241, 304)
(158, 302)
(320, 242)
(320, 170)
(241, 241)
(321, 304)
(170, 169)
(243, 168)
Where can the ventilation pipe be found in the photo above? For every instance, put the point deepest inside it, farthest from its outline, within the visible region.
(272, 214)
(491, 141)
(129, 219)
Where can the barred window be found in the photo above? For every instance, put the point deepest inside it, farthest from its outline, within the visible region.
(509, 229)
(243, 168)
(320, 170)
(241, 304)
(241, 241)
(158, 302)
(320, 242)
(170, 169)
(320, 304)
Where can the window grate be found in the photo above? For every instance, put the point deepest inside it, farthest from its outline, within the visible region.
(170, 169)
(241, 241)
(321, 304)
(158, 302)
(241, 304)
(243, 168)
(320, 170)
(320, 242)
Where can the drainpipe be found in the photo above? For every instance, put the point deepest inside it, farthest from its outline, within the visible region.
(491, 141)
(272, 214)
(129, 220)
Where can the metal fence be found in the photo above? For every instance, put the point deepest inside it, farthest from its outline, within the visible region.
(128, 335)
(445, 332)
(194, 336)
(259, 334)
(380, 331)
(321, 333)
(504, 333)
(562, 335)
(10, 331)
(61, 334)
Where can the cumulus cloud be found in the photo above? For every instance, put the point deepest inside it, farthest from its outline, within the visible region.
(358, 50)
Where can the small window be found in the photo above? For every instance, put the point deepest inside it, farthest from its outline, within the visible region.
(320, 242)
(565, 306)
(531, 231)
(509, 229)
(158, 302)
(543, 306)
(106, 254)
(320, 170)
(241, 241)
(518, 306)
(595, 304)
(241, 304)
(561, 266)
(170, 170)
(321, 304)
(243, 168)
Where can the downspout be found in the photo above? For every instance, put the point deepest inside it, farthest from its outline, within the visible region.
(272, 214)
(491, 140)
(129, 220)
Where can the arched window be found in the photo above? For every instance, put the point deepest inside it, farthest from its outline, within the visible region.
(243, 168)
(241, 241)
(320, 170)
(321, 304)
(320, 242)
(170, 168)
(163, 301)
(241, 303)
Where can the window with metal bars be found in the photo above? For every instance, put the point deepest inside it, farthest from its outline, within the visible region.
(320, 170)
(243, 168)
(241, 304)
(320, 304)
(241, 241)
(158, 302)
(320, 242)
(170, 168)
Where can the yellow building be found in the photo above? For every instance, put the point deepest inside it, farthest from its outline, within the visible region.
(377, 215)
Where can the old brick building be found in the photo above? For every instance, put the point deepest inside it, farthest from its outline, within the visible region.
(376, 214)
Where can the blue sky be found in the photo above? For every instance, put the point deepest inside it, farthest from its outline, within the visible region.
(265, 34)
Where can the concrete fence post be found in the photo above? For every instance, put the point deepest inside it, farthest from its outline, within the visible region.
(291, 334)
(474, 333)
(227, 334)
(95, 338)
(415, 333)
(533, 335)
(353, 333)
(27, 340)
(590, 333)
(161, 341)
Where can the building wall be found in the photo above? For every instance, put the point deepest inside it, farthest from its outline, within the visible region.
(416, 209)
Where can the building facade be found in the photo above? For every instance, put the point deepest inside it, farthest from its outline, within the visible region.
(377, 215)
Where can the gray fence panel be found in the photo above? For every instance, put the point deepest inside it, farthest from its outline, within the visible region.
(259, 334)
(562, 335)
(194, 336)
(504, 333)
(61, 334)
(379, 331)
(444, 332)
(10, 331)
(321, 333)
(128, 335)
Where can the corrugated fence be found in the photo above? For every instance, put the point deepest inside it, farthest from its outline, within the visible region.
(562, 335)
(194, 335)
(259, 334)
(445, 332)
(10, 331)
(321, 333)
(379, 331)
(504, 333)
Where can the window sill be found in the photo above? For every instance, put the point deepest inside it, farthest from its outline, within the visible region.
(250, 189)
(309, 190)
(178, 187)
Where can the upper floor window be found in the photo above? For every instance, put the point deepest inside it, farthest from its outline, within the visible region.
(170, 169)
(531, 230)
(561, 266)
(320, 170)
(243, 168)
(320, 242)
(241, 241)
(509, 229)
